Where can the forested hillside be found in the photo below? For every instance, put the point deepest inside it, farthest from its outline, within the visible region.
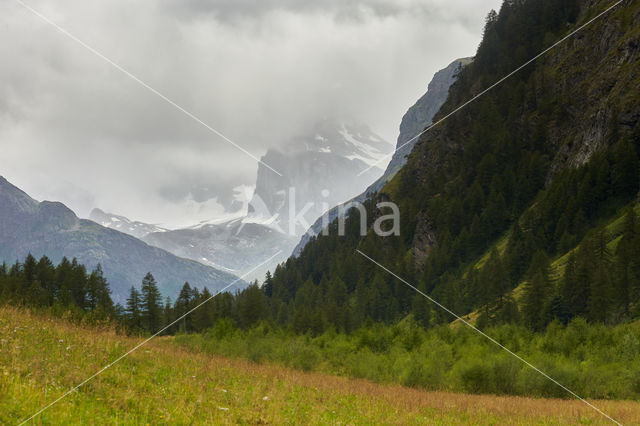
(519, 177)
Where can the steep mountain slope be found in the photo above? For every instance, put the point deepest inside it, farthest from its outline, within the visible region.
(415, 120)
(123, 224)
(546, 155)
(613, 232)
(420, 116)
(51, 229)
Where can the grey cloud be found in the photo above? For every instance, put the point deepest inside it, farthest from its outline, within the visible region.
(238, 9)
(259, 72)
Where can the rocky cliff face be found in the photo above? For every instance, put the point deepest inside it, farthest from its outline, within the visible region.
(420, 115)
(593, 75)
(51, 229)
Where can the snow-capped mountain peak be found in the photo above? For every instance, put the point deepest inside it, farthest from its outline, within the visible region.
(123, 224)
(345, 139)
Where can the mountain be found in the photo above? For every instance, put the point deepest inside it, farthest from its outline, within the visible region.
(236, 246)
(122, 224)
(51, 229)
(415, 120)
(319, 169)
(322, 168)
(528, 172)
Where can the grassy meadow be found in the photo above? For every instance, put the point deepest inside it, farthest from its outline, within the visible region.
(166, 383)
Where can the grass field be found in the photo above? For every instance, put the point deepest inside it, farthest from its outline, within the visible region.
(162, 383)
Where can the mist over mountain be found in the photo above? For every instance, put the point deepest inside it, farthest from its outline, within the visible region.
(415, 120)
(51, 229)
(320, 169)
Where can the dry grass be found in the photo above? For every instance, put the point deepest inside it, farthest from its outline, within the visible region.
(41, 358)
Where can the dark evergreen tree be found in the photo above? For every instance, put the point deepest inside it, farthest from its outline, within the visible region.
(151, 304)
(98, 293)
(133, 310)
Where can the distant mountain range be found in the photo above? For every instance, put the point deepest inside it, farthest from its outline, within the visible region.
(320, 167)
(415, 120)
(51, 229)
(122, 224)
(236, 246)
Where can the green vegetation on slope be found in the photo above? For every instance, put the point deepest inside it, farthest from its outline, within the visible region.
(593, 360)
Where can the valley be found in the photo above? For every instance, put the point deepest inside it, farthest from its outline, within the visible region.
(487, 270)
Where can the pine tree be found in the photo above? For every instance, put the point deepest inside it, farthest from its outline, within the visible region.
(204, 316)
(267, 286)
(183, 304)
(78, 284)
(151, 303)
(168, 315)
(574, 291)
(252, 306)
(133, 310)
(46, 275)
(98, 293)
(537, 292)
(627, 263)
(600, 294)
(64, 277)
(29, 268)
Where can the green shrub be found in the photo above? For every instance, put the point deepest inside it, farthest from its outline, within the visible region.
(477, 378)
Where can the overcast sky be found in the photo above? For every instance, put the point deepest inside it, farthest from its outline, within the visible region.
(75, 129)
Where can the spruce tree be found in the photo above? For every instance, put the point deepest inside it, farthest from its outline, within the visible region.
(133, 310)
(98, 293)
(252, 305)
(151, 303)
(537, 292)
(183, 305)
(267, 286)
